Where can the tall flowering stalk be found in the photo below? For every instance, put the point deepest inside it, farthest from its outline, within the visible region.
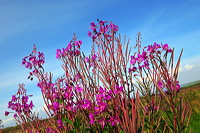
(157, 82)
(111, 89)
(22, 107)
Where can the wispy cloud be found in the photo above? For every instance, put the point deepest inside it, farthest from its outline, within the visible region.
(9, 122)
(186, 67)
(189, 73)
(7, 80)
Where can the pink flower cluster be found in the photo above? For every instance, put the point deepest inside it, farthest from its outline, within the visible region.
(72, 49)
(149, 52)
(35, 59)
(20, 103)
(170, 85)
(102, 99)
(91, 60)
(59, 97)
(102, 28)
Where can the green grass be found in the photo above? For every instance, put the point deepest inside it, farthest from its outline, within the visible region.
(191, 84)
(195, 123)
(14, 129)
(191, 93)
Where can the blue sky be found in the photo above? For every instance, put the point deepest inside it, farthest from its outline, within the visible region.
(51, 24)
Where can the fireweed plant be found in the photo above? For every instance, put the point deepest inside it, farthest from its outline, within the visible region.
(112, 89)
(23, 109)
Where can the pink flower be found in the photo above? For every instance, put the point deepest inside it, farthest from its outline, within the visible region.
(69, 47)
(113, 121)
(55, 106)
(78, 43)
(118, 89)
(58, 53)
(156, 46)
(101, 22)
(77, 52)
(146, 64)
(160, 84)
(92, 24)
(87, 59)
(133, 69)
(107, 97)
(165, 47)
(102, 90)
(31, 105)
(177, 86)
(89, 34)
(86, 104)
(14, 98)
(101, 106)
(170, 50)
(7, 113)
(78, 89)
(113, 27)
(94, 57)
(60, 123)
(102, 122)
(94, 37)
(15, 115)
(133, 60)
(91, 118)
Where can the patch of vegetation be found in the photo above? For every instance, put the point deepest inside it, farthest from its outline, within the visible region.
(195, 123)
(14, 129)
(191, 93)
(191, 84)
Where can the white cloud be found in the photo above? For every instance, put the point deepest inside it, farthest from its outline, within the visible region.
(41, 112)
(189, 73)
(9, 122)
(9, 82)
(186, 67)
